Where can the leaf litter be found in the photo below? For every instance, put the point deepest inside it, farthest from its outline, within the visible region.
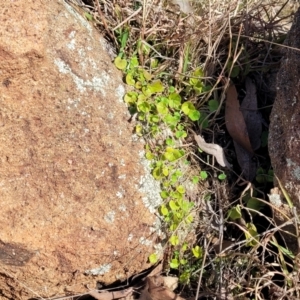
(151, 287)
(244, 125)
(213, 149)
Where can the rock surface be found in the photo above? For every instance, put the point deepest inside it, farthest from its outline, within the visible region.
(284, 131)
(75, 196)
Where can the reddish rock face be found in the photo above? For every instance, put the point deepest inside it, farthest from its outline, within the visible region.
(284, 137)
(75, 196)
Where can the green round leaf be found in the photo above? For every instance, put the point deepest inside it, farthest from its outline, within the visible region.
(164, 210)
(222, 176)
(173, 205)
(169, 142)
(235, 213)
(153, 63)
(164, 194)
(154, 118)
(139, 129)
(184, 278)
(174, 100)
(198, 72)
(203, 175)
(120, 63)
(147, 92)
(146, 75)
(235, 72)
(255, 204)
(195, 179)
(180, 134)
(251, 234)
(153, 258)
(187, 107)
(138, 85)
(162, 108)
(165, 171)
(130, 97)
(203, 121)
(134, 62)
(213, 105)
(184, 247)
(129, 79)
(143, 106)
(194, 115)
(171, 120)
(156, 87)
(149, 155)
(174, 264)
(157, 173)
(180, 189)
(174, 240)
(197, 251)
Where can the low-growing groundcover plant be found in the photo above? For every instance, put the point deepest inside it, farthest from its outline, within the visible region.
(221, 240)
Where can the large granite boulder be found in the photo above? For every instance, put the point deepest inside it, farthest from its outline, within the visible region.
(76, 198)
(284, 131)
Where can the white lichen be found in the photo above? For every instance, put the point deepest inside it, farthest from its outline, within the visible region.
(120, 92)
(148, 186)
(145, 241)
(99, 271)
(130, 237)
(119, 195)
(110, 217)
(98, 84)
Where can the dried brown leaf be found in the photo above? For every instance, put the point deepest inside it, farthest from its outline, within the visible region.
(213, 149)
(235, 122)
(251, 115)
(155, 290)
(246, 162)
(170, 282)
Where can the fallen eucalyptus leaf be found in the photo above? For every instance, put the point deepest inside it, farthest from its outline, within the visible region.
(246, 162)
(171, 282)
(252, 116)
(155, 290)
(213, 149)
(234, 118)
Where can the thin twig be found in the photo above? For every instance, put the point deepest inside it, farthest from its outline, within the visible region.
(127, 19)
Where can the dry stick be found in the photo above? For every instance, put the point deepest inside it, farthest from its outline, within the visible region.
(127, 19)
(266, 41)
(221, 229)
(65, 297)
(111, 295)
(104, 21)
(206, 163)
(201, 273)
(152, 48)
